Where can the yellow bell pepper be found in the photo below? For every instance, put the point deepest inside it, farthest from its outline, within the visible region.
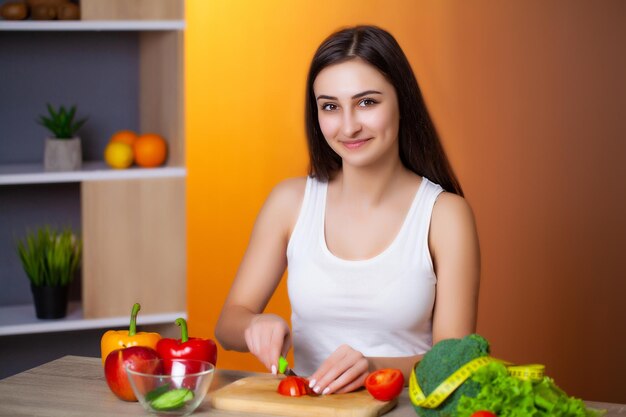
(121, 339)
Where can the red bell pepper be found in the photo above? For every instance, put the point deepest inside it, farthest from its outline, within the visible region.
(186, 347)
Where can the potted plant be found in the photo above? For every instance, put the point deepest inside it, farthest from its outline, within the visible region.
(50, 260)
(63, 150)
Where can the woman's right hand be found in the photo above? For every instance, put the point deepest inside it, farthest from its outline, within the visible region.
(268, 337)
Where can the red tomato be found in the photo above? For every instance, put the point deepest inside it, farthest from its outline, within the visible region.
(385, 384)
(293, 386)
(483, 414)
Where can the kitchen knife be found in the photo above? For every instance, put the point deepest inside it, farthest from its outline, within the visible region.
(283, 367)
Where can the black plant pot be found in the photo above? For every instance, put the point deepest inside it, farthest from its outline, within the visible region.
(50, 302)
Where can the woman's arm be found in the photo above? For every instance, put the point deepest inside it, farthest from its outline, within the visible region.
(241, 325)
(453, 243)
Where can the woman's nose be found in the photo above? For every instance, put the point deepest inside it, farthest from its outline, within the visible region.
(351, 125)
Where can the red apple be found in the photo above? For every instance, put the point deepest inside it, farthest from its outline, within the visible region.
(115, 368)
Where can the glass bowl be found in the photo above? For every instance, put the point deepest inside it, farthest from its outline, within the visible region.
(173, 387)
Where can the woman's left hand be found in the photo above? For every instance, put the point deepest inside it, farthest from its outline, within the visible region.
(343, 371)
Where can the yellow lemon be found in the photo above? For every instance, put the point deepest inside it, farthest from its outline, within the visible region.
(118, 155)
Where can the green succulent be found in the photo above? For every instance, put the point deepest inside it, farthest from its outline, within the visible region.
(61, 122)
(50, 258)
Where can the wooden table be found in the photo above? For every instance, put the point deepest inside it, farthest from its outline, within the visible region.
(75, 386)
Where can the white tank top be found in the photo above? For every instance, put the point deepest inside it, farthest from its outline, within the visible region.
(380, 306)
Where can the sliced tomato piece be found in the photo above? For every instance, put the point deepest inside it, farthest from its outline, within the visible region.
(385, 384)
(293, 386)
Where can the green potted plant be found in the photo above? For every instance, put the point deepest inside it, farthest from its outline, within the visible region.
(50, 260)
(63, 151)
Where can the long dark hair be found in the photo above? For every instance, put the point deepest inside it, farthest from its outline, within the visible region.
(420, 148)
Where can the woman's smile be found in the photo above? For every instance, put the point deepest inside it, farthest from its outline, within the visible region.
(355, 143)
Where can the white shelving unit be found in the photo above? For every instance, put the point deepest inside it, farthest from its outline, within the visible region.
(21, 319)
(91, 25)
(92, 171)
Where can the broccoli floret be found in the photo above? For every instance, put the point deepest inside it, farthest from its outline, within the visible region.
(440, 362)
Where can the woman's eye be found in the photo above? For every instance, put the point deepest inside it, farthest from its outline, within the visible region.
(329, 107)
(367, 102)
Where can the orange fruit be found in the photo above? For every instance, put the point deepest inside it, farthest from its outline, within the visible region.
(124, 136)
(150, 150)
(118, 155)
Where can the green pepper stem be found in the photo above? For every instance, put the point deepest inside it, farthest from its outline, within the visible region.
(184, 333)
(132, 329)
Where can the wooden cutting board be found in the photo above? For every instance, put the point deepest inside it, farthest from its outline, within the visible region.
(257, 394)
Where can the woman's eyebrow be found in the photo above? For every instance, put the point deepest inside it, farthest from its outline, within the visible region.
(358, 95)
(365, 93)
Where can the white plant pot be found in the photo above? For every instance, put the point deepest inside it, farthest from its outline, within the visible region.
(62, 154)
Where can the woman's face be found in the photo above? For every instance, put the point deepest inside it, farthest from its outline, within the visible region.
(358, 112)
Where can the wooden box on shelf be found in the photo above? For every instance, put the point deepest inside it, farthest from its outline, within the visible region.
(134, 246)
(132, 9)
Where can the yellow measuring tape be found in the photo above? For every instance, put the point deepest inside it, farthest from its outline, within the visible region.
(532, 372)
(447, 387)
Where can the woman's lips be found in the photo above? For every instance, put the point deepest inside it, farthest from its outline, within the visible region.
(355, 144)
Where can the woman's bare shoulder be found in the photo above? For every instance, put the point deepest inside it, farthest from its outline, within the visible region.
(284, 202)
(289, 191)
(452, 220)
(451, 205)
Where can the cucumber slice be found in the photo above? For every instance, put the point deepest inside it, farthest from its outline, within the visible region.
(172, 400)
(157, 392)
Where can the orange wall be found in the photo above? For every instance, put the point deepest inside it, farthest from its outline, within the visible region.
(526, 99)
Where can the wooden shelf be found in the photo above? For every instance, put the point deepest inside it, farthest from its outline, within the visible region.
(92, 25)
(120, 210)
(91, 171)
(21, 319)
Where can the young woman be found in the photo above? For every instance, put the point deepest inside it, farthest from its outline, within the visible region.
(381, 247)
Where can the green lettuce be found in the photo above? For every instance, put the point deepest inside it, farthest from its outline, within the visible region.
(507, 396)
